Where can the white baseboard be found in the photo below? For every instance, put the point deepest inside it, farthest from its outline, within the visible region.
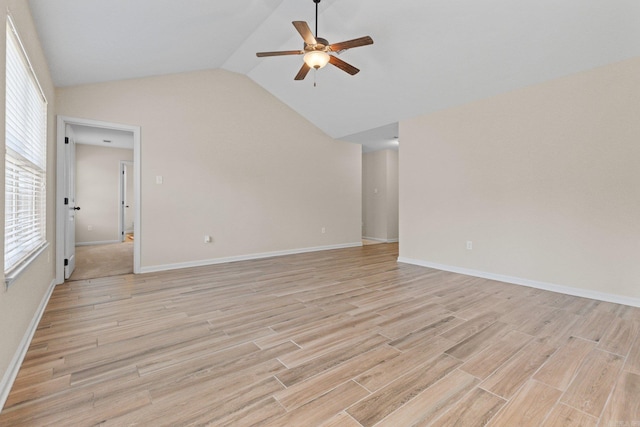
(12, 370)
(568, 290)
(102, 242)
(377, 239)
(166, 267)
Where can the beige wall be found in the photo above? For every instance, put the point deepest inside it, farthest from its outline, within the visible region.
(545, 181)
(19, 304)
(380, 195)
(98, 192)
(236, 163)
(392, 194)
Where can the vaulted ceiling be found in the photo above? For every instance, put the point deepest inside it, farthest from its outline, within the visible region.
(427, 55)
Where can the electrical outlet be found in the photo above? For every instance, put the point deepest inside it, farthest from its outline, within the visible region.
(323, 230)
(207, 239)
(469, 245)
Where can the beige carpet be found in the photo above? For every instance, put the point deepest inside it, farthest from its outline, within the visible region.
(103, 260)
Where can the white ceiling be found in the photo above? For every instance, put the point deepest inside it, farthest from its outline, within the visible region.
(427, 55)
(103, 137)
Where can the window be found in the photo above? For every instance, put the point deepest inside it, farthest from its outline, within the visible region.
(25, 160)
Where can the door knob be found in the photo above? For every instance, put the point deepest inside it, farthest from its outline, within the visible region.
(77, 208)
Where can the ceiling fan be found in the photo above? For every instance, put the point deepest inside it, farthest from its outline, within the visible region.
(316, 50)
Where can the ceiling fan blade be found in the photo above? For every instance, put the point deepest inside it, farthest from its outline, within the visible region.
(362, 41)
(305, 32)
(303, 72)
(348, 68)
(280, 53)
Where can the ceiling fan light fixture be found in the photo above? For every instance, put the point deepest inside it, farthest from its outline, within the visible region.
(316, 59)
(316, 50)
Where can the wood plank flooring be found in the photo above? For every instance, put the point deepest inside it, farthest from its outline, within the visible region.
(338, 338)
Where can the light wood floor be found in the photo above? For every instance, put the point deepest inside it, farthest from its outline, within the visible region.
(337, 338)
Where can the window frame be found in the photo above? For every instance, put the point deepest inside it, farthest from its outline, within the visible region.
(26, 116)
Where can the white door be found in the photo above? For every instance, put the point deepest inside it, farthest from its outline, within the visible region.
(127, 199)
(70, 204)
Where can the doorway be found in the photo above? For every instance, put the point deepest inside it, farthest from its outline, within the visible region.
(100, 194)
(65, 222)
(380, 196)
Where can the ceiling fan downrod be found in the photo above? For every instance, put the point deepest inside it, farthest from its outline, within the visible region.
(316, 2)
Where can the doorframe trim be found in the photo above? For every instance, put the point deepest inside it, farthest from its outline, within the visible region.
(62, 122)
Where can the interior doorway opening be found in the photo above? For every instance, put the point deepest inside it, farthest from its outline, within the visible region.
(108, 134)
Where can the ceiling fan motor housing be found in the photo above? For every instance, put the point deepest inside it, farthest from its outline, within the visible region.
(321, 45)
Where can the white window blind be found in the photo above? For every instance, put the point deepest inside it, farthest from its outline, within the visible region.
(25, 158)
